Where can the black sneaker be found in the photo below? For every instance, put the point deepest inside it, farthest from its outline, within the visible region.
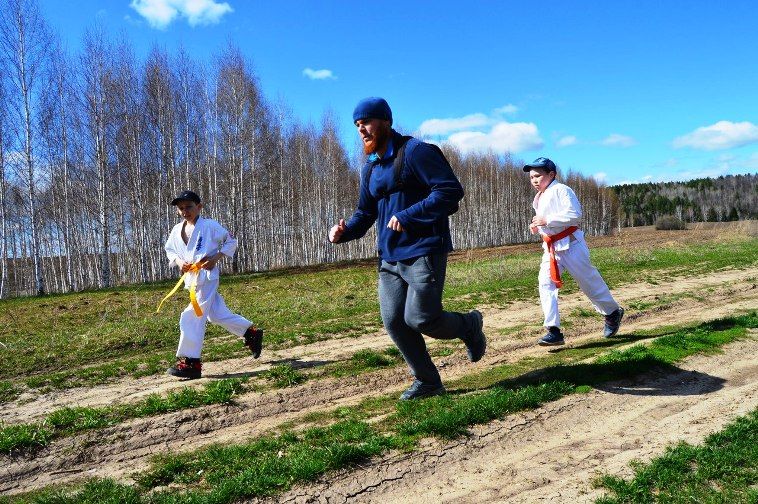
(553, 337)
(476, 343)
(186, 367)
(419, 390)
(612, 323)
(254, 340)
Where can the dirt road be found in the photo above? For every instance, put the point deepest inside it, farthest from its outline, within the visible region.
(551, 452)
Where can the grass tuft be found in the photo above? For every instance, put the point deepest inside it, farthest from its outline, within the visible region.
(284, 375)
(71, 420)
(21, 437)
(8, 392)
(450, 416)
(267, 465)
(723, 469)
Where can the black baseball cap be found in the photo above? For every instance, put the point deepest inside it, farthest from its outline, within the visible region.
(186, 196)
(540, 162)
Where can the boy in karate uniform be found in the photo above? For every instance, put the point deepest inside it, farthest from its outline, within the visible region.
(557, 219)
(195, 245)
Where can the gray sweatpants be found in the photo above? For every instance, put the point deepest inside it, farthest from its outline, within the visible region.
(410, 300)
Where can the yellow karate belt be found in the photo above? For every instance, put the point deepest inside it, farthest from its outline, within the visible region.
(195, 268)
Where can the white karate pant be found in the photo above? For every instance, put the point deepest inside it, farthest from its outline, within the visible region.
(575, 260)
(192, 327)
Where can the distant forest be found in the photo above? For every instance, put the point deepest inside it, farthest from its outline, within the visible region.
(726, 198)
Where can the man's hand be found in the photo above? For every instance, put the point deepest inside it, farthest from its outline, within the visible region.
(533, 228)
(336, 232)
(209, 262)
(395, 225)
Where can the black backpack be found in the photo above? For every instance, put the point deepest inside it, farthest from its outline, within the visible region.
(397, 166)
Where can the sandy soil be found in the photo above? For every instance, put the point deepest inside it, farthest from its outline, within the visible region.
(550, 452)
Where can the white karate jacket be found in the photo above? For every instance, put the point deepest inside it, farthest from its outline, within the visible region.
(208, 238)
(560, 207)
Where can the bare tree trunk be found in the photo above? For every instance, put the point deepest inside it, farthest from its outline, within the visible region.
(25, 42)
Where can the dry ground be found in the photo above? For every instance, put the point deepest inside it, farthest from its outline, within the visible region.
(548, 454)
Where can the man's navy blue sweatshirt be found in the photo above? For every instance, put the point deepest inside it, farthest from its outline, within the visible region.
(429, 193)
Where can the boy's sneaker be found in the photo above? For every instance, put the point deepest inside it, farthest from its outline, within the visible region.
(186, 367)
(419, 390)
(254, 340)
(553, 337)
(613, 322)
(476, 343)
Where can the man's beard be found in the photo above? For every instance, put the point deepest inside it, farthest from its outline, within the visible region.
(379, 141)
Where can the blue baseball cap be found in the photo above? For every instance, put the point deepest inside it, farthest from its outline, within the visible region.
(372, 108)
(541, 162)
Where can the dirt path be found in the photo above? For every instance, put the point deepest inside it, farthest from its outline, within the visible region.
(119, 451)
(525, 316)
(552, 454)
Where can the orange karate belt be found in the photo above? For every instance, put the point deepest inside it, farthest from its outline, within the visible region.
(555, 274)
(195, 268)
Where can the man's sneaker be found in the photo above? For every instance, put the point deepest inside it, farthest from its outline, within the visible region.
(254, 340)
(476, 343)
(186, 367)
(420, 390)
(553, 337)
(612, 323)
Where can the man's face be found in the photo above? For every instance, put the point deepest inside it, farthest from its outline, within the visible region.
(188, 210)
(374, 134)
(540, 178)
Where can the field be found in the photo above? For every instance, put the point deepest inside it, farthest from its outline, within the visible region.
(88, 414)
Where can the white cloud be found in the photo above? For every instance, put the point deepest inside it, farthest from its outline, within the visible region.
(483, 132)
(323, 74)
(160, 13)
(445, 126)
(502, 137)
(600, 177)
(616, 140)
(566, 141)
(509, 109)
(722, 135)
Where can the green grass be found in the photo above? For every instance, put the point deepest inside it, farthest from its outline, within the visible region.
(72, 420)
(87, 338)
(724, 469)
(450, 416)
(364, 361)
(284, 375)
(274, 463)
(8, 391)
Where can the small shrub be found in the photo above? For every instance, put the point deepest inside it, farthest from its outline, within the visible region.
(669, 222)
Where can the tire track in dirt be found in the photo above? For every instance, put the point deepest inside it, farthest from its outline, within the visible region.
(517, 314)
(120, 450)
(552, 454)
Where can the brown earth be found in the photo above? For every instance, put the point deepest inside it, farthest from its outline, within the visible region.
(535, 456)
(553, 454)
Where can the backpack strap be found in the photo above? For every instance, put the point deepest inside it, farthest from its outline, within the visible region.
(397, 164)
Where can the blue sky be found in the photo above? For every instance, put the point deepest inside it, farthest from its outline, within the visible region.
(625, 91)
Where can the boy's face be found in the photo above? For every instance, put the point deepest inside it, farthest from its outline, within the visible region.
(188, 210)
(541, 178)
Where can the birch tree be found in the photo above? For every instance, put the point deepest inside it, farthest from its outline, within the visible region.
(4, 140)
(24, 45)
